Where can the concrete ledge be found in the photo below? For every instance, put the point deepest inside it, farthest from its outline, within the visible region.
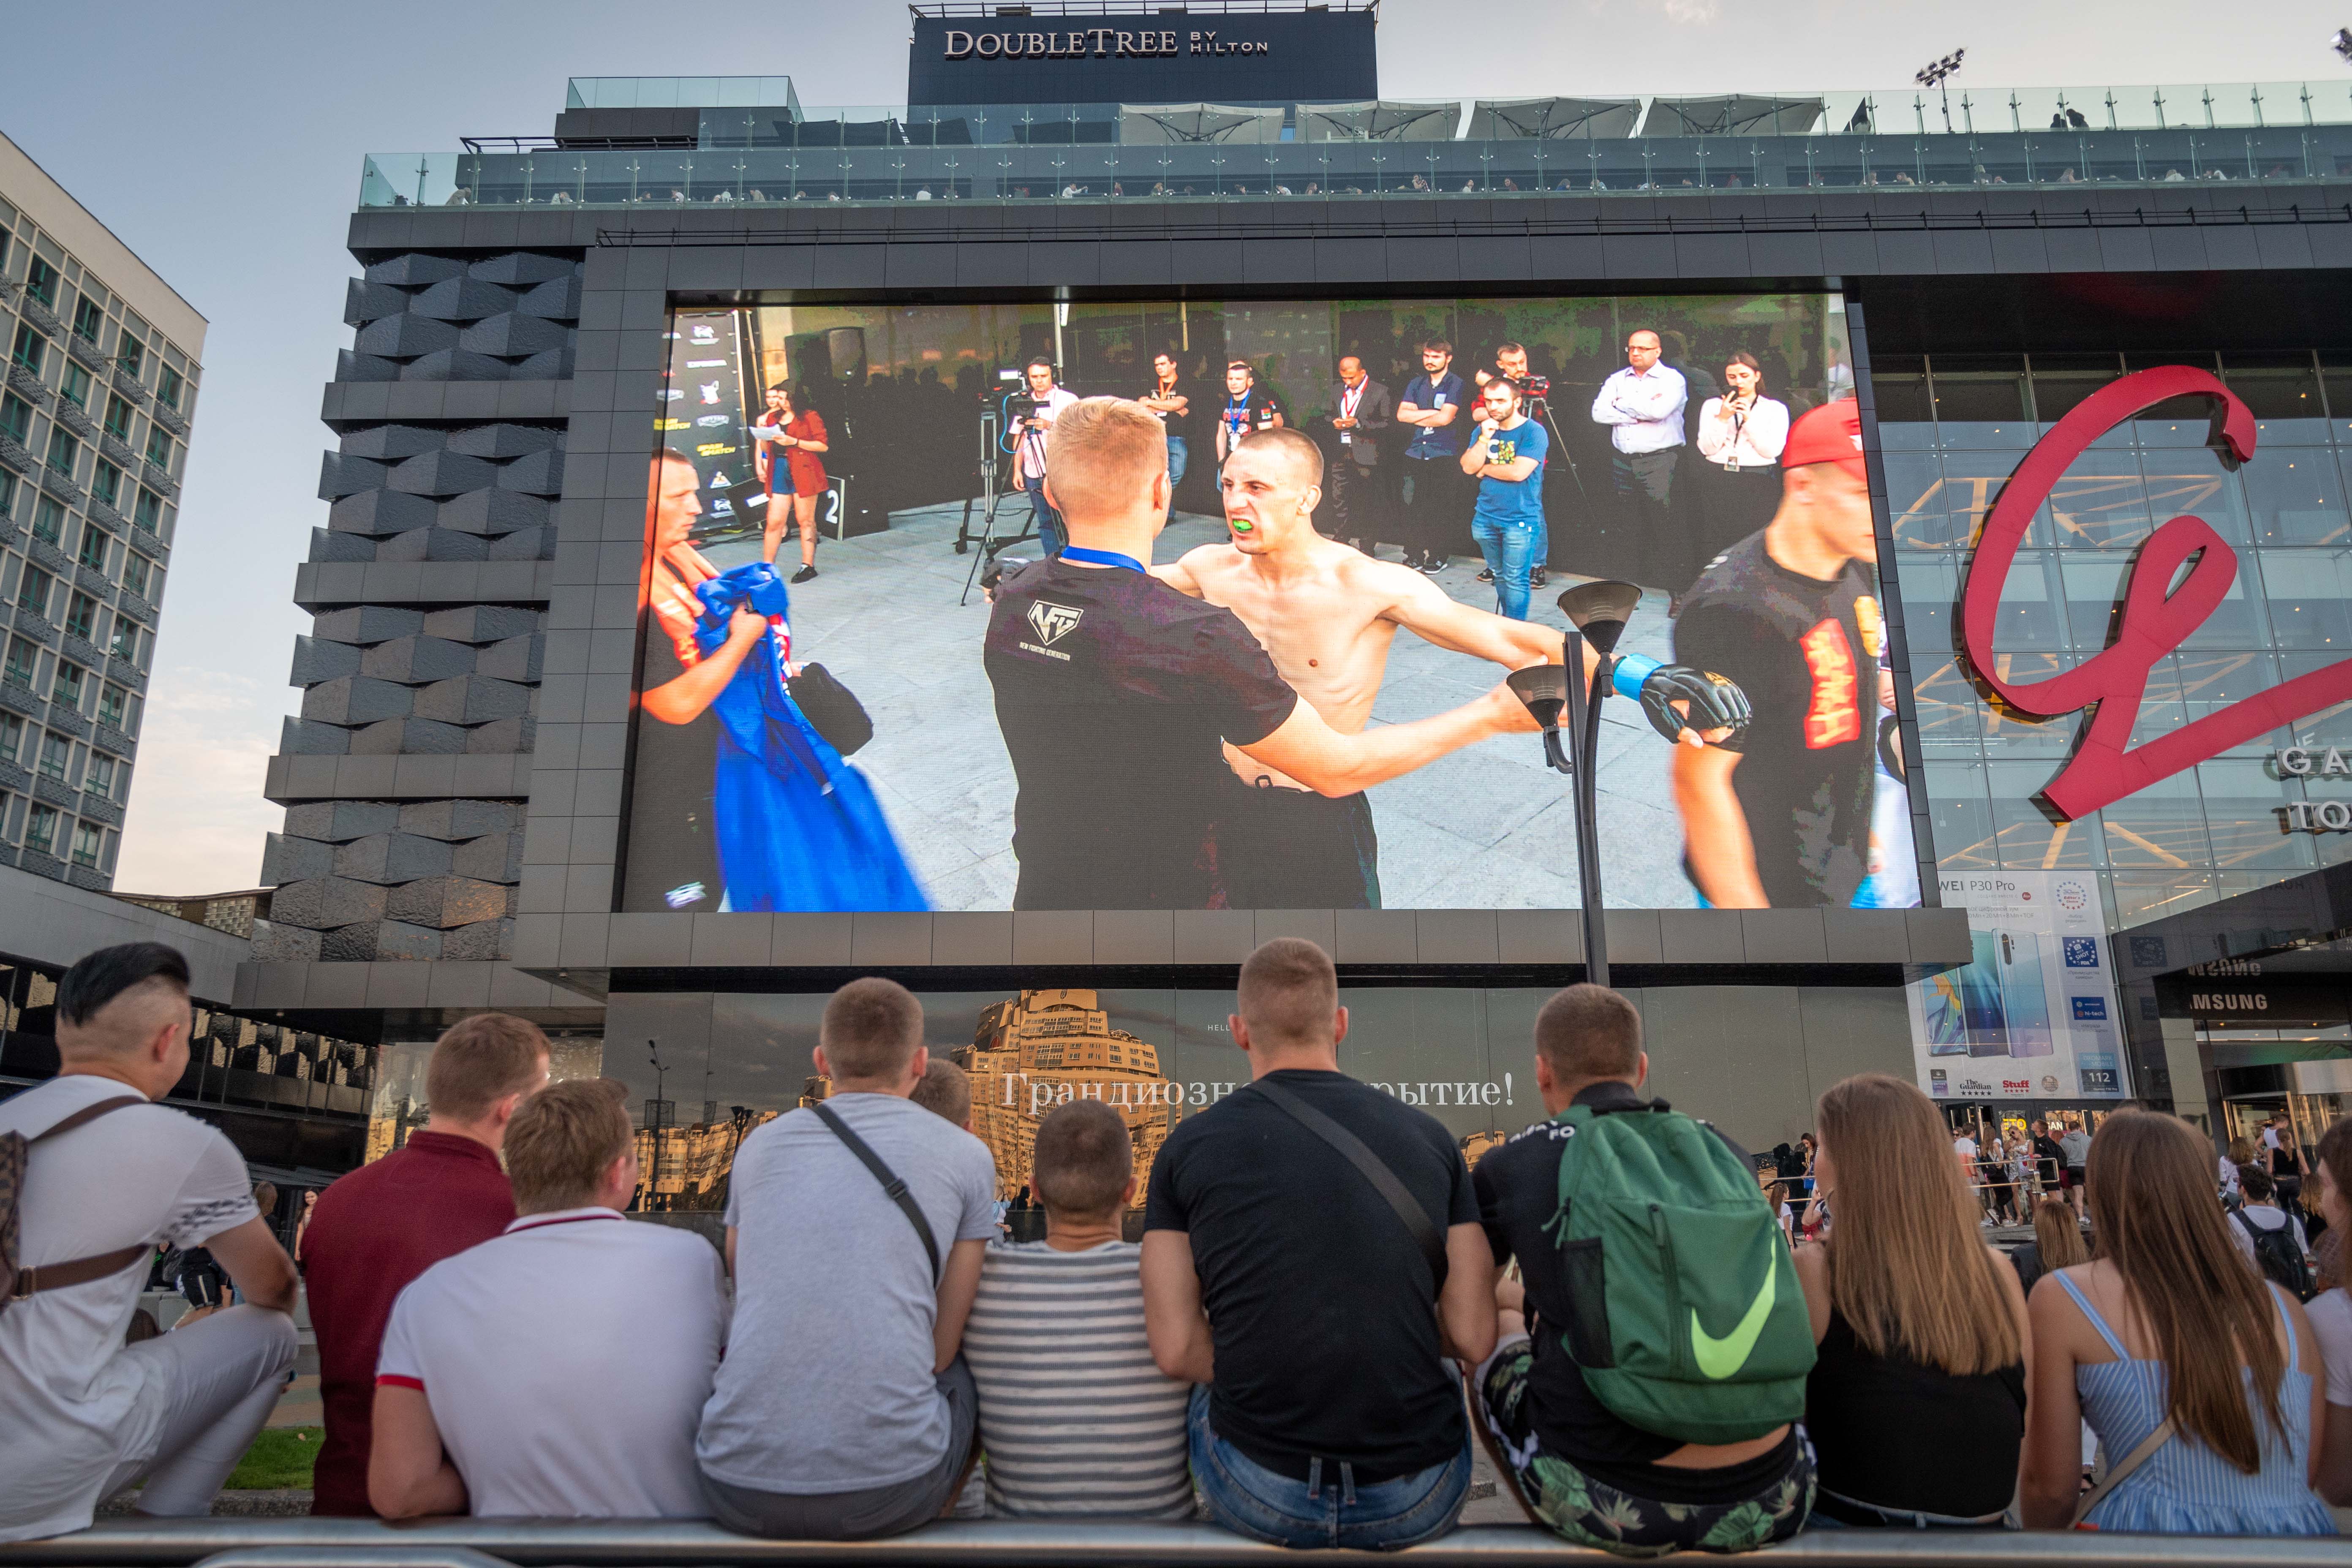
(448, 1543)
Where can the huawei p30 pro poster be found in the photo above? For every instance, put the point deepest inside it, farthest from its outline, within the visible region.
(871, 680)
(2032, 1014)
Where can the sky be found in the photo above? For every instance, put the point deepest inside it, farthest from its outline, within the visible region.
(229, 160)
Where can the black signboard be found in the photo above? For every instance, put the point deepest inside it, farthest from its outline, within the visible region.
(1171, 56)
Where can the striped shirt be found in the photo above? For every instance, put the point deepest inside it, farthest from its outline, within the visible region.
(1073, 1417)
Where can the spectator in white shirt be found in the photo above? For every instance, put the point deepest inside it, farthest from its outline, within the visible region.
(558, 1371)
(1074, 1416)
(1643, 406)
(1741, 435)
(82, 1415)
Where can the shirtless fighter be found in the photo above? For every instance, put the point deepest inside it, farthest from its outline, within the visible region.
(1325, 614)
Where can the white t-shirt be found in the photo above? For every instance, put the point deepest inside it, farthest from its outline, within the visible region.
(827, 1385)
(2229, 1172)
(2265, 1216)
(1965, 1147)
(1031, 463)
(2331, 1324)
(567, 1362)
(71, 1405)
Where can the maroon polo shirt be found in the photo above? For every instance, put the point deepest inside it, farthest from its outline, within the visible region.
(372, 1232)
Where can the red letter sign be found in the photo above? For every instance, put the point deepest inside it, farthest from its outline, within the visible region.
(2154, 622)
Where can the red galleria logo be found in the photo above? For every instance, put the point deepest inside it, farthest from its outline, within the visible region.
(2105, 769)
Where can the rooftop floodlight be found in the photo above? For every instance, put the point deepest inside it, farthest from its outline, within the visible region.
(1600, 610)
(1933, 74)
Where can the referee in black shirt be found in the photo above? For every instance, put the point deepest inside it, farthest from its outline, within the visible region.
(1115, 693)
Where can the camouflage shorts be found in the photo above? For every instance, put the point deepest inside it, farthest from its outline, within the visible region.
(1591, 1512)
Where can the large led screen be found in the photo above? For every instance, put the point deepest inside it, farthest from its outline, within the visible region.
(869, 679)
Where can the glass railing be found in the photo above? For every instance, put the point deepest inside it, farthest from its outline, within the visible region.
(677, 92)
(1107, 172)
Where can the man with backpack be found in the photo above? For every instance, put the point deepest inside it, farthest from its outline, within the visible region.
(1649, 1378)
(92, 1175)
(1298, 1233)
(2271, 1238)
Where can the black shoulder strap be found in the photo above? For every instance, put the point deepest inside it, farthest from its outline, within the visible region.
(890, 1179)
(1425, 1235)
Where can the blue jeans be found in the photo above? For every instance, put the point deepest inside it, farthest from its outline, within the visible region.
(1511, 550)
(1327, 1510)
(1178, 455)
(1048, 520)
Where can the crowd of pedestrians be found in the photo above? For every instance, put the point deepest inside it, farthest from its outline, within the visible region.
(1326, 1310)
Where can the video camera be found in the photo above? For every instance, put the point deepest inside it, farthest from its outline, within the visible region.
(1532, 385)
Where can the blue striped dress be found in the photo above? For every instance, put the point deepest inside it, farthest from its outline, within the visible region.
(1074, 1419)
(2185, 1487)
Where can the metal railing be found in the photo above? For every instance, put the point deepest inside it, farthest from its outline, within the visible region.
(466, 1543)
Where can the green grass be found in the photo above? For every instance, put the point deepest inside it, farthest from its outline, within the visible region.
(280, 1460)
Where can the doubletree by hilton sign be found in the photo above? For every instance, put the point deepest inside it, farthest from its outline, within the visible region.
(1092, 42)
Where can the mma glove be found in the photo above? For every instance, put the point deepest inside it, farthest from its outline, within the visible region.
(1714, 701)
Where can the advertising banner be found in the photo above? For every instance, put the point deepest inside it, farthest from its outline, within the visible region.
(907, 700)
(2033, 1015)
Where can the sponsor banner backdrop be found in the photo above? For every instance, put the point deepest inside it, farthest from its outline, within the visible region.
(2033, 1016)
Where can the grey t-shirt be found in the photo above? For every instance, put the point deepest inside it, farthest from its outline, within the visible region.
(827, 1385)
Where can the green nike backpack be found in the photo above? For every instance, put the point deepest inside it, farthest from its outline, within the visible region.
(1687, 1319)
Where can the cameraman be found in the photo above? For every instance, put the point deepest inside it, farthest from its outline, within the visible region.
(1047, 401)
(1511, 365)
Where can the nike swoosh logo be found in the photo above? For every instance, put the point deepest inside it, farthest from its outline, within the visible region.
(1719, 1358)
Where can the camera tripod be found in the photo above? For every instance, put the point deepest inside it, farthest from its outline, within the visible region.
(1030, 444)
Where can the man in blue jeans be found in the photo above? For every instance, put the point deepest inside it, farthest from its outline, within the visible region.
(1506, 456)
(1277, 1275)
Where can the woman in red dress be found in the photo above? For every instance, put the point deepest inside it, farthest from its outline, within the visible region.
(797, 438)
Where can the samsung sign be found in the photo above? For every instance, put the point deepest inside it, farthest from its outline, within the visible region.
(1099, 42)
(1144, 57)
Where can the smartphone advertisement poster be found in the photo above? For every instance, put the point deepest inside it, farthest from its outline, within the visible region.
(2032, 1016)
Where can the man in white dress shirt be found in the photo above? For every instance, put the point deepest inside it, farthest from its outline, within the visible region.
(1643, 406)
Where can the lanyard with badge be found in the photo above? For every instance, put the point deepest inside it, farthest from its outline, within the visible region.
(1100, 557)
(1350, 397)
(1238, 416)
(1738, 412)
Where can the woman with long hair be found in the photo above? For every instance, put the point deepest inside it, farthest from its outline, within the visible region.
(1916, 1404)
(2199, 1378)
(790, 440)
(2057, 1242)
(2331, 1314)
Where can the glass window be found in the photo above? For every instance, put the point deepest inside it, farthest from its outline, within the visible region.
(2295, 496)
(64, 452)
(2029, 838)
(111, 700)
(48, 518)
(1980, 401)
(12, 737)
(41, 282)
(33, 591)
(2063, 381)
(99, 777)
(125, 641)
(7, 495)
(2284, 392)
(41, 829)
(75, 389)
(18, 670)
(87, 839)
(117, 416)
(94, 540)
(30, 350)
(137, 571)
(106, 482)
(2310, 597)
(167, 387)
(89, 320)
(67, 687)
(131, 354)
(158, 447)
(16, 417)
(57, 751)
(2245, 811)
(149, 512)
(1961, 816)
(81, 615)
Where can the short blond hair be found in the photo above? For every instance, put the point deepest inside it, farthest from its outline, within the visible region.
(945, 1091)
(1101, 455)
(1288, 993)
(480, 1060)
(561, 1141)
(871, 1028)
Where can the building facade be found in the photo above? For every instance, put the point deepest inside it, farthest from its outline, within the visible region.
(104, 370)
(467, 781)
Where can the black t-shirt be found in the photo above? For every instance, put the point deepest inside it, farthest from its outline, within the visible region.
(1806, 652)
(1114, 694)
(1179, 425)
(1518, 1186)
(1320, 1302)
(673, 860)
(2051, 1158)
(1244, 416)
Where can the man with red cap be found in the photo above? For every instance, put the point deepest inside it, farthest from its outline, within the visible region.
(1780, 816)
